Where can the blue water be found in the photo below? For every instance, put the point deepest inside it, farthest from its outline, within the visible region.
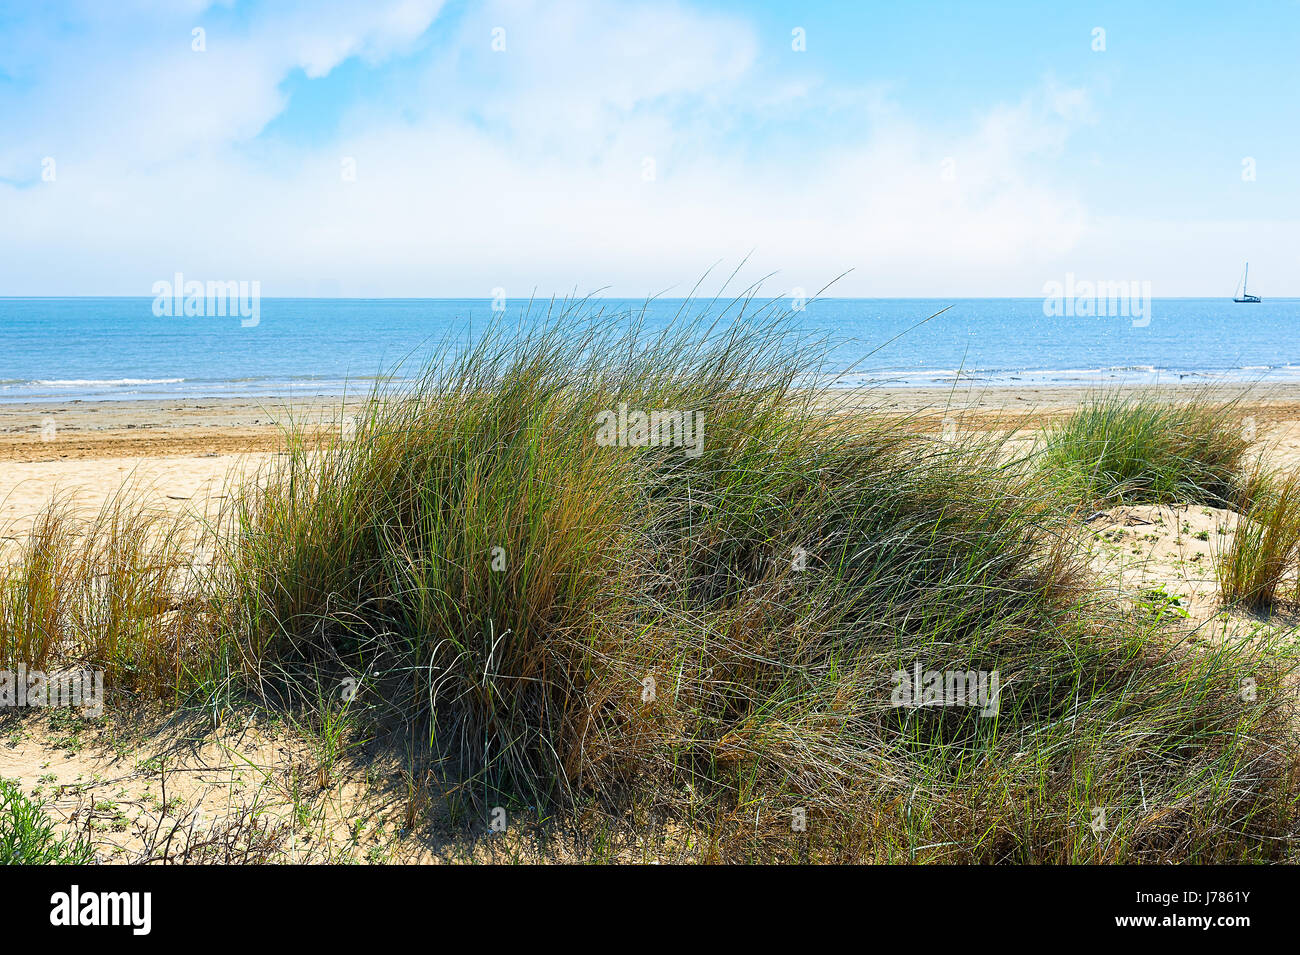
(115, 348)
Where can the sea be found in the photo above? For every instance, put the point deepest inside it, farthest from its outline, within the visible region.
(68, 349)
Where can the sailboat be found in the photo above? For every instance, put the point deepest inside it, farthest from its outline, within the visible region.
(1246, 296)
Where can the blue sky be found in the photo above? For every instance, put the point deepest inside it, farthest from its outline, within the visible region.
(391, 148)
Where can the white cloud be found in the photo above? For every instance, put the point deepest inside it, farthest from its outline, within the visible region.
(525, 168)
(130, 90)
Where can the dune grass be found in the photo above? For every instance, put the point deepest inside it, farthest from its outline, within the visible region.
(121, 592)
(715, 637)
(1138, 448)
(712, 634)
(1261, 566)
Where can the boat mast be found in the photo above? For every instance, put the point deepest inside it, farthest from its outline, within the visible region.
(1244, 280)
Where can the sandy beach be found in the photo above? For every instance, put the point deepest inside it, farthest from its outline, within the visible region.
(181, 455)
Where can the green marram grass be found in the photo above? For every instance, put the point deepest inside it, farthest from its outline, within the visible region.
(1139, 448)
(767, 589)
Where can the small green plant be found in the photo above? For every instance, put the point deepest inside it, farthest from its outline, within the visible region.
(1159, 602)
(27, 835)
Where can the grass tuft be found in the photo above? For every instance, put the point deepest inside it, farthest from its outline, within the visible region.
(715, 638)
(121, 591)
(1261, 567)
(1140, 449)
